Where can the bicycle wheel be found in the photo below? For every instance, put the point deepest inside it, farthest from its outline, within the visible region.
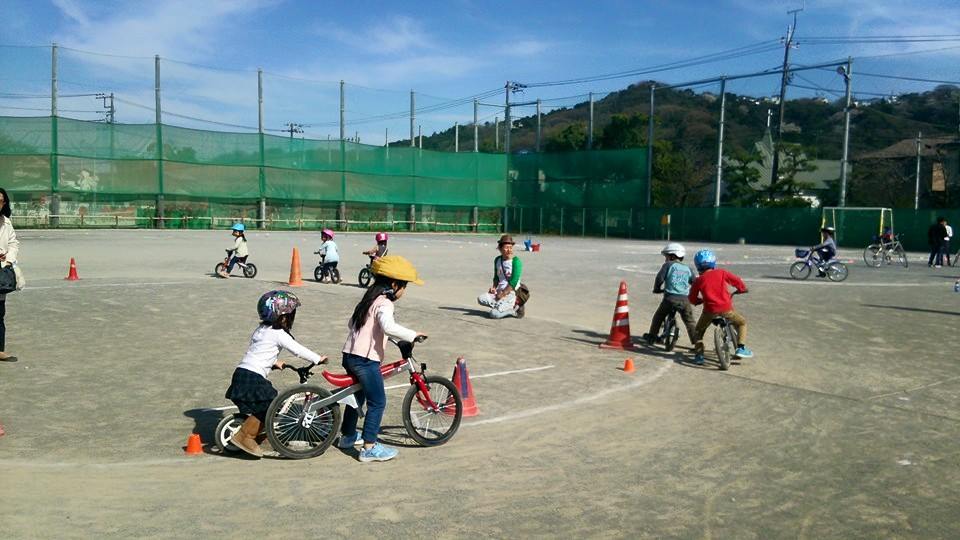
(432, 428)
(220, 267)
(334, 276)
(800, 270)
(225, 429)
(250, 270)
(722, 345)
(872, 256)
(901, 256)
(318, 274)
(836, 271)
(293, 432)
(672, 333)
(364, 277)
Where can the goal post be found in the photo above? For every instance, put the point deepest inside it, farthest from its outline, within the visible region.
(857, 222)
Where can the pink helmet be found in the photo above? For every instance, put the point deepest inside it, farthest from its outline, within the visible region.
(327, 232)
(382, 237)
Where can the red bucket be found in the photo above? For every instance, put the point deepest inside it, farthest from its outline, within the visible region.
(535, 247)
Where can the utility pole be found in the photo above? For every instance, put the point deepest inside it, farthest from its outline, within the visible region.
(298, 128)
(343, 124)
(262, 172)
(653, 88)
(916, 192)
(54, 142)
(386, 137)
(844, 163)
(420, 135)
(723, 108)
(109, 110)
(538, 124)
(506, 119)
(476, 127)
(159, 124)
(456, 137)
(784, 78)
(496, 132)
(590, 124)
(413, 117)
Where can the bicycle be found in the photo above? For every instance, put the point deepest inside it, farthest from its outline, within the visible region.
(229, 425)
(834, 270)
(725, 341)
(303, 421)
(876, 254)
(669, 331)
(249, 269)
(320, 273)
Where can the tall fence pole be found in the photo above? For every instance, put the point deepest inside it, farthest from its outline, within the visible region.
(496, 132)
(723, 107)
(456, 137)
(413, 117)
(54, 142)
(476, 126)
(420, 136)
(845, 163)
(653, 87)
(159, 123)
(263, 176)
(916, 191)
(343, 156)
(538, 124)
(507, 120)
(343, 122)
(590, 125)
(386, 137)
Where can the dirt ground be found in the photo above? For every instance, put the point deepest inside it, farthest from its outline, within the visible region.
(844, 425)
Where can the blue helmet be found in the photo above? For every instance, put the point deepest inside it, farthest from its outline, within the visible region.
(705, 259)
(239, 227)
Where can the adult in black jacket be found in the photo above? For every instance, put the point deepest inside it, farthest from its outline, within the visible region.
(937, 237)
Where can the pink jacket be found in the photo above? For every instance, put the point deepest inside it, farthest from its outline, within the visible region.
(370, 341)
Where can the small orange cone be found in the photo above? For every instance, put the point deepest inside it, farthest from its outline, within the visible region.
(295, 278)
(461, 379)
(194, 447)
(620, 328)
(72, 276)
(628, 366)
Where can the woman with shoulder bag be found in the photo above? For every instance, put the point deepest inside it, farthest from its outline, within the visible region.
(9, 248)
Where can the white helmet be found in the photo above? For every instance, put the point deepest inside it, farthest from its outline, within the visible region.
(673, 248)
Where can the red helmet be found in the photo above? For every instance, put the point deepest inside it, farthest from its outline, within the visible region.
(382, 237)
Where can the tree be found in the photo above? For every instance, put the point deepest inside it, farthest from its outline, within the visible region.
(572, 137)
(680, 176)
(624, 131)
(786, 187)
(741, 174)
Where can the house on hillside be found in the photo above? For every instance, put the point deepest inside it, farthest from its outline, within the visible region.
(824, 171)
(893, 178)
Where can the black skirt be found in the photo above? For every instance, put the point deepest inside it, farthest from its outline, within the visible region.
(249, 386)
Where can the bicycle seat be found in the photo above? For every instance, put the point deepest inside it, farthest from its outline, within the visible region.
(718, 321)
(341, 380)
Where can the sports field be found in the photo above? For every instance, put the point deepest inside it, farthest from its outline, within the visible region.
(844, 425)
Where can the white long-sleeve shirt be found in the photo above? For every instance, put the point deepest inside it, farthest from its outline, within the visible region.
(240, 247)
(265, 345)
(370, 341)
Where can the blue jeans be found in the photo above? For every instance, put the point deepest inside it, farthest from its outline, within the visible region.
(234, 260)
(368, 374)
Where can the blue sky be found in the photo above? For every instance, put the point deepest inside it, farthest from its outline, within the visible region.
(443, 50)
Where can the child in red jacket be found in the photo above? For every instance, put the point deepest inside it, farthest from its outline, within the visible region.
(713, 286)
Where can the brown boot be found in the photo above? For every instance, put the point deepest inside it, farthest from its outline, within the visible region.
(246, 437)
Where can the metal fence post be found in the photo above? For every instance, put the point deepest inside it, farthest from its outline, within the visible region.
(159, 119)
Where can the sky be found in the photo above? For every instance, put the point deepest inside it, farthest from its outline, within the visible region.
(446, 52)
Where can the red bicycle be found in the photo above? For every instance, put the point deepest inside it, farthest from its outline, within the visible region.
(303, 421)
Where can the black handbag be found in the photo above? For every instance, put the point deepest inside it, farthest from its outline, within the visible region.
(8, 280)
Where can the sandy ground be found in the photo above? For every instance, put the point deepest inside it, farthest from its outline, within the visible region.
(844, 425)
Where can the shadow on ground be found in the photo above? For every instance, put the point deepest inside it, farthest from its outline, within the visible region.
(913, 309)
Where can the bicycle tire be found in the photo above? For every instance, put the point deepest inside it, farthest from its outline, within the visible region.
(720, 344)
(672, 333)
(225, 429)
(250, 270)
(427, 426)
(836, 271)
(902, 256)
(285, 423)
(220, 267)
(318, 274)
(334, 276)
(871, 256)
(800, 270)
(364, 277)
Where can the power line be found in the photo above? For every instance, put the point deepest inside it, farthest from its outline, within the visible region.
(902, 78)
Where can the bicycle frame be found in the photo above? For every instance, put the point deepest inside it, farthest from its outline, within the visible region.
(345, 394)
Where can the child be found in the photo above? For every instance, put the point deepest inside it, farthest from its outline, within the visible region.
(239, 252)
(827, 249)
(677, 277)
(372, 322)
(328, 251)
(501, 298)
(380, 249)
(249, 388)
(713, 285)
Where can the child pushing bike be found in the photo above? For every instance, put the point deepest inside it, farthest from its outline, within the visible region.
(673, 280)
(712, 289)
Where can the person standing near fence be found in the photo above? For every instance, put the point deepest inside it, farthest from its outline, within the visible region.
(9, 249)
(936, 237)
(946, 242)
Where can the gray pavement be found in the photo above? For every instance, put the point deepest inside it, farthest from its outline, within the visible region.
(844, 425)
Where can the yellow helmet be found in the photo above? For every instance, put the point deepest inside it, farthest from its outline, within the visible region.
(396, 267)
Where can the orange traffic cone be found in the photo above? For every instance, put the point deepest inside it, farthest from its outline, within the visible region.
(72, 276)
(194, 447)
(295, 279)
(620, 328)
(628, 366)
(461, 379)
